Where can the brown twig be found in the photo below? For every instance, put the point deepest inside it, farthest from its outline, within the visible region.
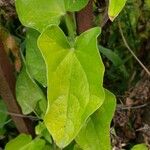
(131, 107)
(20, 115)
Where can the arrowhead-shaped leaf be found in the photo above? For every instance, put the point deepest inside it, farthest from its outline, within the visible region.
(34, 60)
(38, 14)
(115, 7)
(75, 79)
(95, 134)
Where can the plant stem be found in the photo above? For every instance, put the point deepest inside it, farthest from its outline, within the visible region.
(130, 50)
(71, 26)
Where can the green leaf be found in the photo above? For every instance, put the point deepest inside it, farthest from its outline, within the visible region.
(25, 142)
(95, 134)
(76, 147)
(115, 7)
(38, 14)
(27, 92)
(75, 5)
(41, 130)
(140, 147)
(34, 60)
(114, 58)
(75, 79)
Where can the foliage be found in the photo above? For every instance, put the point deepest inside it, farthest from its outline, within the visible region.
(49, 12)
(74, 93)
(25, 142)
(26, 86)
(95, 133)
(34, 60)
(115, 7)
(74, 85)
(61, 80)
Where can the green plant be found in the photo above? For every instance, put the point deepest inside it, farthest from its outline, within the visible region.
(79, 109)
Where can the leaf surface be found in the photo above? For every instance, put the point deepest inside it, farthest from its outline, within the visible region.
(25, 142)
(38, 14)
(34, 60)
(75, 77)
(115, 59)
(95, 134)
(27, 92)
(41, 130)
(75, 5)
(115, 7)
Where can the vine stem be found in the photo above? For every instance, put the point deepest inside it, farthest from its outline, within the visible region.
(19, 115)
(71, 27)
(130, 50)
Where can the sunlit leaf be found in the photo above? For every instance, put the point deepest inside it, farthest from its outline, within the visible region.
(34, 59)
(25, 142)
(95, 134)
(28, 93)
(40, 13)
(75, 77)
(115, 7)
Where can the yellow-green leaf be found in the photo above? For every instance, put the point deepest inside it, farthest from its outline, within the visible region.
(38, 14)
(95, 134)
(115, 7)
(75, 79)
(25, 142)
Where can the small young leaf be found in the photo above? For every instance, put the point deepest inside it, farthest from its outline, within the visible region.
(27, 92)
(140, 147)
(115, 7)
(95, 134)
(75, 77)
(38, 14)
(41, 130)
(25, 142)
(34, 60)
(115, 59)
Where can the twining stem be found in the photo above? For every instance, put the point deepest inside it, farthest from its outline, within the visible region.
(19, 115)
(130, 50)
(71, 27)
